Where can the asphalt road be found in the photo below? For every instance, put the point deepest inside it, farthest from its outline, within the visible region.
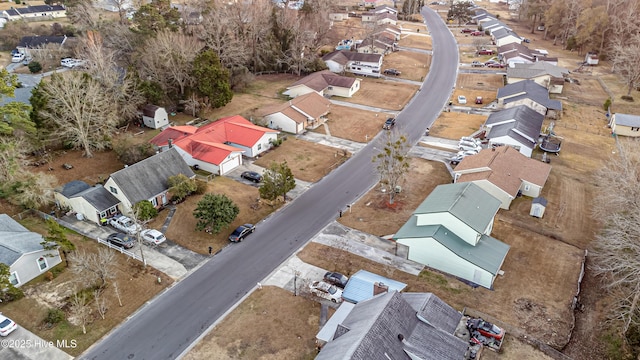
(167, 326)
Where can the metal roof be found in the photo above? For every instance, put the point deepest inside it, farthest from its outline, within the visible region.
(360, 286)
(627, 120)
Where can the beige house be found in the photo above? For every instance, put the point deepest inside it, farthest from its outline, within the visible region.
(294, 116)
(94, 203)
(35, 13)
(503, 172)
(542, 72)
(625, 125)
(325, 83)
(338, 16)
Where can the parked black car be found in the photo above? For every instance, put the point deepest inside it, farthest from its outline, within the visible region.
(337, 279)
(392, 72)
(241, 232)
(251, 176)
(121, 240)
(391, 122)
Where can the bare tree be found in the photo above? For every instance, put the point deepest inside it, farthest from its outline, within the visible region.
(80, 310)
(219, 32)
(625, 62)
(117, 291)
(101, 304)
(392, 162)
(93, 267)
(81, 113)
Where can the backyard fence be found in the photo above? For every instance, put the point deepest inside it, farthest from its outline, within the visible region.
(122, 251)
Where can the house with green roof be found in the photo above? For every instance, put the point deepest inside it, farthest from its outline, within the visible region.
(451, 232)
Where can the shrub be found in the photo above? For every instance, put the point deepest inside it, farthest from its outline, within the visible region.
(54, 316)
(48, 275)
(607, 104)
(627, 98)
(145, 210)
(34, 67)
(201, 187)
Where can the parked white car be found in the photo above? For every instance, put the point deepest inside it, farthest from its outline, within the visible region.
(124, 224)
(466, 153)
(71, 63)
(152, 237)
(469, 147)
(462, 99)
(468, 143)
(16, 58)
(7, 326)
(470, 139)
(326, 291)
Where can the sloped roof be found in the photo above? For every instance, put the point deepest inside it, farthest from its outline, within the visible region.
(72, 187)
(516, 121)
(539, 68)
(372, 330)
(36, 41)
(147, 178)
(342, 57)
(627, 119)
(320, 80)
(174, 133)
(99, 197)
(466, 201)
(300, 108)
(16, 240)
(434, 311)
(360, 286)
(150, 110)
(503, 33)
(528, 89)
(505, 167)
(34, 9)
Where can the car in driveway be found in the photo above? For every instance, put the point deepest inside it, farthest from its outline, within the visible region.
(241, 232)
(477, 33)
(395, 72)
(486, 52)
(390, 123)
(477, 63)
(152, 237)
(455, 160)
(326, 291)
(125, 224)
(462, 99)
(251, 176)
(121, 240)
(7, 326)
(469, 147)
(478, 99)
(336, 278)
(485, 328)
(466, 31)
(495, 65)
(16, 58)
(467, 152)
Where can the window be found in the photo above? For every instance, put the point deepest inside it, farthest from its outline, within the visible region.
(14, 279)
(113, 190)
(527, 187)
(154, 202)
(635, 128)
(42, 263)
(103, 215)
(259, 146)
(113, 210)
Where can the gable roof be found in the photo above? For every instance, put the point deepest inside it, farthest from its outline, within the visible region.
(505, 167)
(539, 68)
(72, 187)
(150, 110)
(465, 201)
(372, 329)
(174, 133)
(503, 33)
(342, 57)
(147, 178)
(34, 9)
(32, 42)
(528, 89)
(16, 240)
(320, 80)
(360, 286)
(627, 120)
(99, 197)
(301, 108)
(519, 122)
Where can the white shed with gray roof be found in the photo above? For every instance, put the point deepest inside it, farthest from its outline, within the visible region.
(22, 251)
(625, 124)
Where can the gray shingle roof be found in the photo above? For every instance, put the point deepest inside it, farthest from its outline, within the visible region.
(520, 121)
(466, 201)
(148, 178)
(36, 41)
(540, 68)
(35, 9)
(371, 332)
(627, 120)
(16, 240)
(344, 56)
(73, 187)
(503, 33)
(99, 197)
(528, 89)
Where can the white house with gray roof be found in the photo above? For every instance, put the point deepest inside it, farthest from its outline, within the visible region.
(450, 232)
(93, 202)
(147, 180)
(22, 251)
(340, 61)
(399, 326)
(518, 127)
(531, 94)
(625, 124)
(543, 73)
(504, 36)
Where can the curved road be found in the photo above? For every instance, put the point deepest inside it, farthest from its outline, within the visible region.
(171, 322)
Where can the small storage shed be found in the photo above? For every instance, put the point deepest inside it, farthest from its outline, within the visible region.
(538, 206)
(154, 116)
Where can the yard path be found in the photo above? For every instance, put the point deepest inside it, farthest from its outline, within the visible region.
(365, 107)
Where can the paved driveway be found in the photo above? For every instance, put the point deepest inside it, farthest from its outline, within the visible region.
(22, 344)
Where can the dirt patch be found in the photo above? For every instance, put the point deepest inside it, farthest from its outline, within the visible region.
(135, 283)
(307, 161)
(389, 95)
(90, 170)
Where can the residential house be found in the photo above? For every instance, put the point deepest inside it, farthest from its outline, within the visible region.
(294, 116)
(531, 94)
(325, 83)
(377, 44)
(114, 5)
(504, 36)
(339, 16)
(154, 116)
(147, 180)
(517, 126)
(514, 53)
(23, 252)
(625, 124)
(394, 30)
(397, 326)
(368, 3)
(385, 9)
(218, 146)
(30, 44)
(354, 62)
(364, 285)
(504, 173)
(189, 15)
(493, 25)
(380, 18)
(35, 13)
(451, 232)
(482, 15)
(93, 202)
(543, 73)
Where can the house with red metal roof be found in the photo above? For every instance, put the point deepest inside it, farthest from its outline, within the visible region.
(218, 147)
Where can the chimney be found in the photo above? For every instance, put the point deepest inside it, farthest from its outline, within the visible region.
(380, 288)
(170, 143)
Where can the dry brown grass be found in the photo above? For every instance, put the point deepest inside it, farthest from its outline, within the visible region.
(353, 124)
(307, 161)
(417, 40)
(453, 125)
(136, 286)
(472, 85)
(412, 65)
(389, 95)
(242, 334)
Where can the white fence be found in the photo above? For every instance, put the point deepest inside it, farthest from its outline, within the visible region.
(122, 250)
